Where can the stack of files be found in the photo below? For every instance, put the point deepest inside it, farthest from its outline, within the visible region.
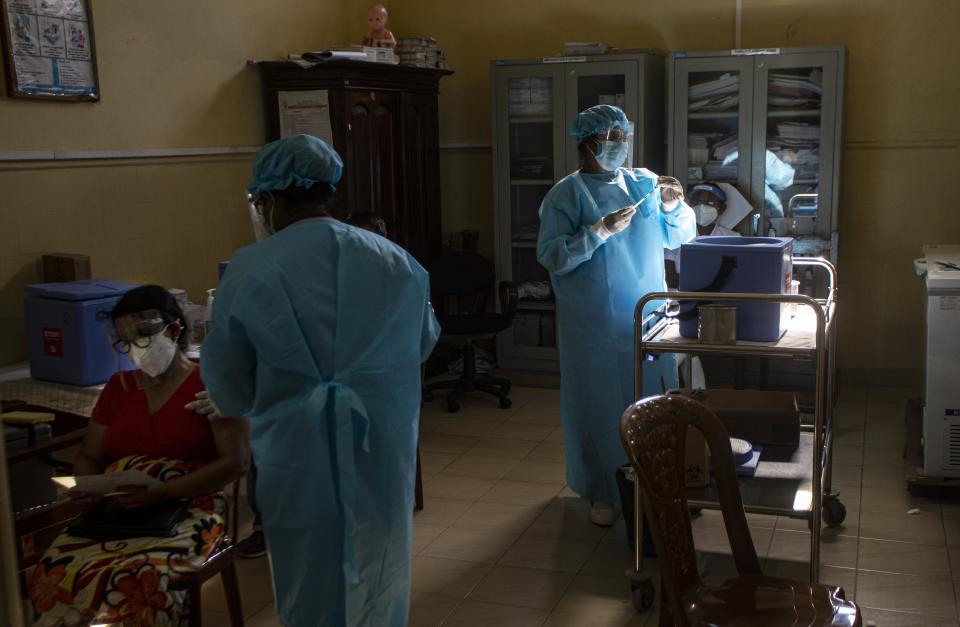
(799, 132)
(581, 48)
(725, 147)
(794, 86)
(716, 104)
(717, 171)
(724, 85)
(420, 52)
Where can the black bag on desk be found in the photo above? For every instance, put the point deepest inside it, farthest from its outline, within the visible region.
(626, 486)
(109, 521)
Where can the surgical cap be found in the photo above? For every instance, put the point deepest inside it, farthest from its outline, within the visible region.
(596, 119)
(296, 161)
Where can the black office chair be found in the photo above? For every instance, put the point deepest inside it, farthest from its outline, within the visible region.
(460, 283)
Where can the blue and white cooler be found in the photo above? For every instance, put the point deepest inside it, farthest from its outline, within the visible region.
(67, 335)
(749, 265)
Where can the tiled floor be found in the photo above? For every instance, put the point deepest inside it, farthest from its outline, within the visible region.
(503, 542)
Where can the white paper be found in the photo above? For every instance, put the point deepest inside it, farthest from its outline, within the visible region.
(106, 484)
(306, 112)
(76, 74)
(33, 70)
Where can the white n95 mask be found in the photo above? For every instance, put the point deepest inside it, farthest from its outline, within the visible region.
(156, 358)
(706, 214)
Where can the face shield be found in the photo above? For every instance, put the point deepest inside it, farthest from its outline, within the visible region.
(614, 148)
(261, 206)
(141, 347)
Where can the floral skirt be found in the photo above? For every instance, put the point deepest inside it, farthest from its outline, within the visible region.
(137, 581)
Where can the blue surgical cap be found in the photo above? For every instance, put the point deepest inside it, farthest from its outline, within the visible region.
(597, 119)
(296, 161)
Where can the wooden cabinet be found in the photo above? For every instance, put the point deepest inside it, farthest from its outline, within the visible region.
(386, 128)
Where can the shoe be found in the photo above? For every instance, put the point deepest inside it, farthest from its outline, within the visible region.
(254, 545)
(602, 514)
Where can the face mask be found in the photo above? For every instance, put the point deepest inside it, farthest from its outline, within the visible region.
(156, 358)
(706, 214)
(611, 155)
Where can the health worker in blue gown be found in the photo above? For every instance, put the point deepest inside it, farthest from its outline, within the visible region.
(602, 234)
(318, 335)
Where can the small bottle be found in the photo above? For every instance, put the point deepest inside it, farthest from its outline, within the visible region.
(208, 314)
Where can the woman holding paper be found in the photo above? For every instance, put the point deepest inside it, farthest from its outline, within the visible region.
(145, 421)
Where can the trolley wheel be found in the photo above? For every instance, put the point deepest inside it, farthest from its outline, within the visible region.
(643, 595)
(834, 512)
(453, 407)
(505, 402)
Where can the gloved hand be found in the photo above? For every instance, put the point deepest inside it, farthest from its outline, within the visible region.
(671, 192)
(204, 406)
(614, 222)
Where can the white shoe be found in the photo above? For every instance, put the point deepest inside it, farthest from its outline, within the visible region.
(602, 514)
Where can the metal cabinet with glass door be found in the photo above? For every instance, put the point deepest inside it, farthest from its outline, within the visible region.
(534, 103)
(768, 122)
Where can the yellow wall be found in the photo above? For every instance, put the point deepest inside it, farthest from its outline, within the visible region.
(902, 135)
(172, 75)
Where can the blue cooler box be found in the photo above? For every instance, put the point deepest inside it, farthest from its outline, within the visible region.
(67, 335)
(752, 265)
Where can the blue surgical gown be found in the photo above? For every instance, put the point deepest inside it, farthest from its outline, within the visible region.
(598, 283)
(318, 336)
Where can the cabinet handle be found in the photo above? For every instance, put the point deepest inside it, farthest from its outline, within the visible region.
(349, 127)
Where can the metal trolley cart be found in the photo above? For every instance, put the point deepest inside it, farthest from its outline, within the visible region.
(785, 477)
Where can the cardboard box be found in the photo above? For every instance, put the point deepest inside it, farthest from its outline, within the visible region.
(66, 267)
(759, 417)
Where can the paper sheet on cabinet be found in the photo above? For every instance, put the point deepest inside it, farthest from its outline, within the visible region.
(306, 112)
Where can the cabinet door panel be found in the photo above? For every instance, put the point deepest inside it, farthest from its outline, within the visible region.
(372, 162)
(421, 166)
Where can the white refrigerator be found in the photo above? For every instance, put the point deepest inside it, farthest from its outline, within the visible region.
(941, 420)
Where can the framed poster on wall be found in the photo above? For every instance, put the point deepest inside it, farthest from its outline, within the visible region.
(48, 49)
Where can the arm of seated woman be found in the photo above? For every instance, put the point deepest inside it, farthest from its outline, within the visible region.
(232, 439)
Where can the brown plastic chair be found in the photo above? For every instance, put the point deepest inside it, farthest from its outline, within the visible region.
(654, 433)
(36, 529)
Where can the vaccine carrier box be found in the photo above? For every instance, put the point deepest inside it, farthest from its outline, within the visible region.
(67, 333)
(751, 265)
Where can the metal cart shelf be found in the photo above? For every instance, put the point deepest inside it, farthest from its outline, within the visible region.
(785, 477)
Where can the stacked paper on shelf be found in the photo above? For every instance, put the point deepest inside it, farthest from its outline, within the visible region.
(530, 96)
(718, 171)
(580, 48)
(725, 84)
(420, 52)
(799, 132)
(723, 148)
(796, 86)
(716, 104)
(362, 53)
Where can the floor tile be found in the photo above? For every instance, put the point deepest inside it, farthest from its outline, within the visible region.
(470, 544)
(891, 395)
(884, 477)
(556, 436)
(554, 554)
(440, 511)
(478, 466)
(440, 577)
(503, 448)
(256, 591)
(432, 463)
(430, 611)
(541, 472)
(581, 618)
(502, 516)
(906, 593)
(526, 587)
(883, 458)
(547, 452)
(903, 557)
(477, 614)
(608, 560)
(455, 487)
(522, 431)
(794, 546)
(521, 493)
(883, 618)
(214, 618)
(590, 595)
(443, 443)
(852, 455)
(894, 501)
(424, 534)
(471, 427)
(924, 528)
(567, 518)
(546, 414)
(616, 534)
(847, 476)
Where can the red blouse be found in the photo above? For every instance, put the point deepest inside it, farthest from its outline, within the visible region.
(170, 432)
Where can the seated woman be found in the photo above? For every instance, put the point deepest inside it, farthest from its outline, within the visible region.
(142, 422)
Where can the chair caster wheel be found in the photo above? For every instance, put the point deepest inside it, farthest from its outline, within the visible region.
(642, 595)
(453, 407)
(505, 403)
